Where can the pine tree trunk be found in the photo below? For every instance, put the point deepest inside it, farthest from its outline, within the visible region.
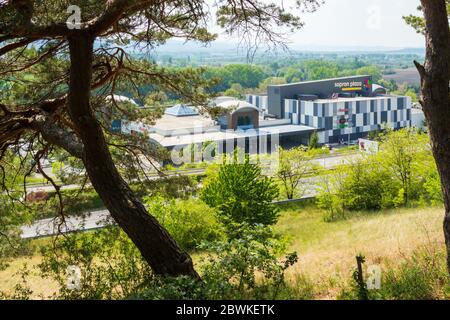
(435, 77)
(155, 244)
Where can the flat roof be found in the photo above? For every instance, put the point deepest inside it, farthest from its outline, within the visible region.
(317, 81)
(341, 99)
(223, 135)
(170, 122)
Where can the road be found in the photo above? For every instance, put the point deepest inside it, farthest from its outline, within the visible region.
(51, 226)
(88, 221)
(48, 187)
(326, 162)
(101, 218)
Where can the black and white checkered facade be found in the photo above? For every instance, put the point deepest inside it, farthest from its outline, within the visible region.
(261, 102)
(350, 118)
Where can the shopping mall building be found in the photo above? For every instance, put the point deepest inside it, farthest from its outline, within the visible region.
(339, 110)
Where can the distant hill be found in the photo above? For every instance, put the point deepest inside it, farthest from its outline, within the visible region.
(415, 51)
(177, 47)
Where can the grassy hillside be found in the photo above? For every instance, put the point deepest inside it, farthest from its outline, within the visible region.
(326, 250)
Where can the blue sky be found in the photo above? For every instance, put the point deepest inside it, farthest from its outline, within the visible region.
(356, 23)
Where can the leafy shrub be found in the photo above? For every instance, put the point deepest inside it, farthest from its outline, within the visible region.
(11, 218)
(429, 183)
(170, 288)
(366, 186)
(332, 205)
(110, 265)
(403, 173)
(423, 276)
(188, 221)
(314, 140)
(406, 156)
(329, 197)
(58, 168)
(69, 170)
(244, 268)
(241, 194)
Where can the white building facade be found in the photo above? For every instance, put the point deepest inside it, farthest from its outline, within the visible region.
(349, 118)
(340, 110)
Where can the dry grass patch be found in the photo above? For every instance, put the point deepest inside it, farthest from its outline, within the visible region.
(327, 250)
(11, 276)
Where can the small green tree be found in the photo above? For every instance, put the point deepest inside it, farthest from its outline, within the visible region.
(314, 140)
(400, 151)
(270, 81)
(235, 90)
(188, 221)
(294, 165)
(367, 185)
(329, 195)
(241, 194)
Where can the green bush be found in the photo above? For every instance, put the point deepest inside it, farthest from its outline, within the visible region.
(12, 217)
(170, 288)
(231, 268)
(329, 197)
(68, 170)
(57, 167)
(314, 140)
(423, 276)
(241, 194)
(188, 221)
(366, 186)
(244, 268)
(403, 173)
(429, 183)
(110, 265)
(406, 156)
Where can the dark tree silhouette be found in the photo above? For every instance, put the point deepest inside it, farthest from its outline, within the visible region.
(61, 65)
(435, 77)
